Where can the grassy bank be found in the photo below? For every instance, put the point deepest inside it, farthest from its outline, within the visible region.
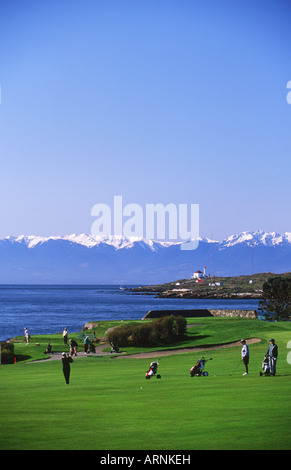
(110, 405)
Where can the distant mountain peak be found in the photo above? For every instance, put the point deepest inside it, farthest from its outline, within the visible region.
(251, 238)
(258, 237)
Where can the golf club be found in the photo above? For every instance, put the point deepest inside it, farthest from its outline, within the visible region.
(235, 367)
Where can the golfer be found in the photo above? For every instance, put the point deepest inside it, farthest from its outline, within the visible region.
(245, 355)
(66, 360)
(73, 347)
(86, 344)
(272, 353)
(65, 335)
(27, 335)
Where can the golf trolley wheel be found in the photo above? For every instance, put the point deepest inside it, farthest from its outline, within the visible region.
(205, 373)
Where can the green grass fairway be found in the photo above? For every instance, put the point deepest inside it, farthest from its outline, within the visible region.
(110, 406)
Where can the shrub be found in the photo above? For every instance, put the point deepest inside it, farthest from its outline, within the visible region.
(180, 325)
(121, 335)
(163, 330)
(142, 335)
(170, 328)
(7, 352)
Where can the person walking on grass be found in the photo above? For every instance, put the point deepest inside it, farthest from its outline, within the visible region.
(27, 335)
(66, 361)
(272, 355)
(245, 355)
(86, 344)
(65, 335)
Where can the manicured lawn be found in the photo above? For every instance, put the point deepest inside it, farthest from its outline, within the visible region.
(109, 404)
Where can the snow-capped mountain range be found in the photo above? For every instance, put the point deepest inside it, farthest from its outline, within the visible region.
(89, 259)
(257, 238)
(89, 241)
(254, 238)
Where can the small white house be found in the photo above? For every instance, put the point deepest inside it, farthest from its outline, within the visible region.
(198, 275)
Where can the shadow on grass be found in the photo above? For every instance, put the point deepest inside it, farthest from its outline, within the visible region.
(187, 340)
(22, 357)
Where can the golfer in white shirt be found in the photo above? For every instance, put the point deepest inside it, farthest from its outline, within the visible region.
(245, 355)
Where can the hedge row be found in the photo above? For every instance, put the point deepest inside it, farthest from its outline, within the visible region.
(161, 331)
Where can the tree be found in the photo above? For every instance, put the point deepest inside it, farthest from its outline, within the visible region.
(276, 301)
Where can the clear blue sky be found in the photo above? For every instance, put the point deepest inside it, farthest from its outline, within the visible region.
(160, 101)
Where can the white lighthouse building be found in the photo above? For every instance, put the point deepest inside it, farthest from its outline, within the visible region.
(199, 274)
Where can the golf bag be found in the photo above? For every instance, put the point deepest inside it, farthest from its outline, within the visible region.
(91, 347)
(48, 349)
(265, 366)
(152, 370)
(114, 348)
(198, 369)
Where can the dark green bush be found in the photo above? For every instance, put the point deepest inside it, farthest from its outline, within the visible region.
(121, 335)
(142, 335)
(161, 331)
(180, 325)
(7, 352)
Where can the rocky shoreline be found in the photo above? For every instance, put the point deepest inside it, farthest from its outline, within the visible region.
(189, 294)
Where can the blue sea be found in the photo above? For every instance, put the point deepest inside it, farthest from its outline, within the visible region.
(46, 309)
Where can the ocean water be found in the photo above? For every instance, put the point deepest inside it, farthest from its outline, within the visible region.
(49, 309)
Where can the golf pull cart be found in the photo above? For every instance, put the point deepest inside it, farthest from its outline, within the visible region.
(266, 367)
(198, 369)
(152, 370)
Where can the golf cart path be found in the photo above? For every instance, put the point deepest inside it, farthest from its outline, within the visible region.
(166, 352)
(169, 352)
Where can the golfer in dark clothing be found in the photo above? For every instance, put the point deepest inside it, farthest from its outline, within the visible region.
(73, 347)
(272, 354)
(66, 360)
